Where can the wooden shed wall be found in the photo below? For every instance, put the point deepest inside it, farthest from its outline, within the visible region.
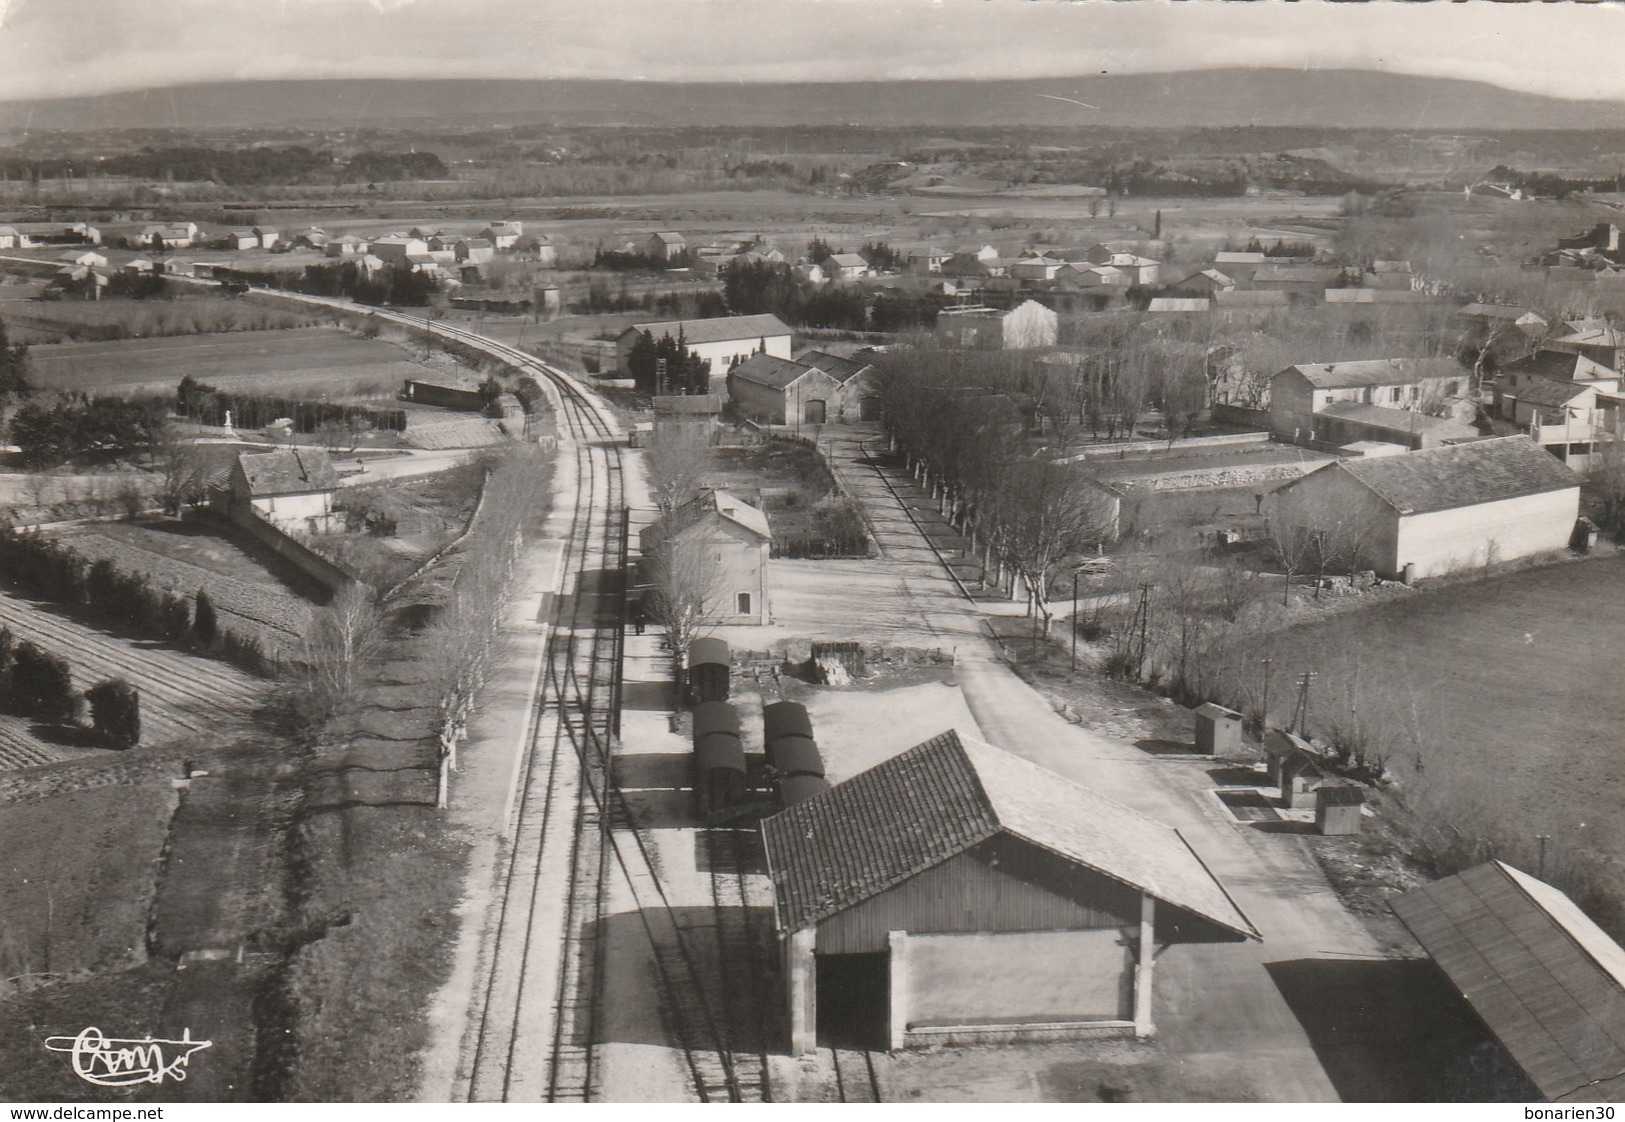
(1001, 885)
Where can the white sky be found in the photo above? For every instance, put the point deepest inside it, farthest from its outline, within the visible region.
(55, 48)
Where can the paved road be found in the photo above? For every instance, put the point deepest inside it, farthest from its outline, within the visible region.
(1218, 1008)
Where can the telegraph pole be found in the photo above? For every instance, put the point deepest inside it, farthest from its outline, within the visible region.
(1264, 721)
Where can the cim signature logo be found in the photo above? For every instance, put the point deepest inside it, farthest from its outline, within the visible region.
(110, 1062)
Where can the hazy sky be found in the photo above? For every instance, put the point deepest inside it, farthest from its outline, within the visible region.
(54, 48)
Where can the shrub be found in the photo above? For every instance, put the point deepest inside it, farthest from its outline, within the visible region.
(115, 711)
(42, 685)
(205, 624)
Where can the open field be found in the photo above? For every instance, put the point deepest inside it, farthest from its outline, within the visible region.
(79, 874)
(181, 693)
(310, 360)
(1501, 699)
(254, 595)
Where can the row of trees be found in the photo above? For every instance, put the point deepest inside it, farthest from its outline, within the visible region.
(667, 366)
(38, 684)
(206, 404)
(79, 427)
(756, 287)
(957, 419)
(15, 369)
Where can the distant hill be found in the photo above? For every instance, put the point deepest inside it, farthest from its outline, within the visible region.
(1213, 98)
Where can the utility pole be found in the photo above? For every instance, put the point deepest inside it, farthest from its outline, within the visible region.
(1264, 719)
(1074, 663)
(1300, 715)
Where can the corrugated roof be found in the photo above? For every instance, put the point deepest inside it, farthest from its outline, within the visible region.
(918, 809)
(1459, 475)
(769, 370)
(291, 471)
(716, 330)
(1548, 982)
(1375, 372)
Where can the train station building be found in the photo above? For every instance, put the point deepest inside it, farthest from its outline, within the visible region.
(957, 893)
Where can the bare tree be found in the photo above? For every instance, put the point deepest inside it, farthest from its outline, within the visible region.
(1606, 475)
(181, 467)
(676, 460)
(1294, 548)
(683, 597)
(342, 640)
(1047, 513)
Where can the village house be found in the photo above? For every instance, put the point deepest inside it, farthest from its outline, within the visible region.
(238, 239)
(721, 341)
(812, 390)
(1601, 343)
(1204, 283)
(1141, 271)
(76, 282)
(291, 488)
(1305, 398)
(503, 235)
(346, 245)
(313, 237)
(1308, 282)
(10, 238)
(88, 258)
(267, 237)
(665, 245)
(1437, 511)
(928, 260)
(845, 267)
(472, 251)
(175, 235)
(541, 248)
(733, 539)
(904, 895)
(1026, 326)
(393, 248)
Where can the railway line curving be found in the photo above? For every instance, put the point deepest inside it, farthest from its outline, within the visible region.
(533, 1021)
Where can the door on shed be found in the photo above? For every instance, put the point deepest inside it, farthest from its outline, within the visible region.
(812, 412)
(854, 1000)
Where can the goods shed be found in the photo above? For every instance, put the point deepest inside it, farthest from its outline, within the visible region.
(959, 893)
(1545, 979)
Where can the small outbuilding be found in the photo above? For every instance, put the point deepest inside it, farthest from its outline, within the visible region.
(1218, 730)
(959, 893)
(733, 540)
(1338, 809)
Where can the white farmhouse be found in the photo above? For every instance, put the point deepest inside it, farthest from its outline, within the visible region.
(720, 342)
(1437, 511)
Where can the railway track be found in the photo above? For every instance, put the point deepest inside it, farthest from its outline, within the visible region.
(856, 1080)
(534, 1031)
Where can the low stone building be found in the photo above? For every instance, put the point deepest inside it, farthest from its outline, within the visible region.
(291, 488)
(815, 389)
(1434, 512)
(1029, 325)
